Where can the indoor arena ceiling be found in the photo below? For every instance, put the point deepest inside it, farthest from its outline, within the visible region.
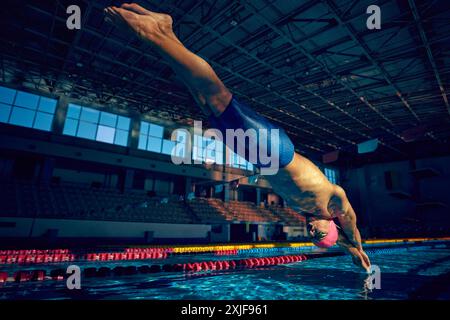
(312, 67)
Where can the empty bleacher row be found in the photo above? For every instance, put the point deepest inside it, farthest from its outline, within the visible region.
(210, 210)
(67, 201)
(288, 215)
(248, 211)
(70, 201)
(215, 210)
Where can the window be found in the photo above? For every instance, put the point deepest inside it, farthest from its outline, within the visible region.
(151, 137)
(332, 175)
(26, 109)
(207, 149)
(88, 123)
(236, 161)
(181, 141)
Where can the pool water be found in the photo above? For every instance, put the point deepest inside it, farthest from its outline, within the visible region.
(406, 273)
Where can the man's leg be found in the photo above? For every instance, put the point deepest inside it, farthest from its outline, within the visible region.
(206, 87)
(202, 81)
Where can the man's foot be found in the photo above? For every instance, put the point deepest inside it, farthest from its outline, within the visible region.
(146, 24)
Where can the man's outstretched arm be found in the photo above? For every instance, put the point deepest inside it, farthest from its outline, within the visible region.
(349, 236)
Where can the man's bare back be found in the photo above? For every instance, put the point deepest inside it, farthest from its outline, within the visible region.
(304, 187)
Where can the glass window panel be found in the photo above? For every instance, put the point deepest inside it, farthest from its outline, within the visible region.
(121, 138)
(123, 123)
(180, 150)
(108, 119)
(142, 142)
(26, 100)
(211, 155)
(7, 95)
(47, 105)
(220, 146)
(105, 134)
(197, 141)
(154, 144)
(195, 153)
(70, 127)
(5, 110)
(168, 146)
(90, 115)
(233, 160)
(210, 144)
(87, 130)
(43, 121)
(181, 136)
(219, 158)
(73, 111)
(201, 153)
(156, 131)
(22, 117)
(144, 128)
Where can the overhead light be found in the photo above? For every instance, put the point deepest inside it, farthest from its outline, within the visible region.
(79, 64)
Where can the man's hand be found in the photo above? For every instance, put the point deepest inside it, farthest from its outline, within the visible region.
(360, 258)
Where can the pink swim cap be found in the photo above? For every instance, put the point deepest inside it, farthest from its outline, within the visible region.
(331, 237)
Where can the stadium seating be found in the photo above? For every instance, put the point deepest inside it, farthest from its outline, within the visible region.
(74, 201)
(66, 201)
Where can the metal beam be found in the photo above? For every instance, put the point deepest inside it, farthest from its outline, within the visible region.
(424, 38)
(278, 73)
(296, 45)
(367, 54)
